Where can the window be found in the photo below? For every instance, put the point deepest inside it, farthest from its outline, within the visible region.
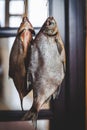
(38, 12)
(15, 10)
(2, 16)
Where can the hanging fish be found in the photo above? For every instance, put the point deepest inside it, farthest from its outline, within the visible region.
(19, 58)
(47, 67)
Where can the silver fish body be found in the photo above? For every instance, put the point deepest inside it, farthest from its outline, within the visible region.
(47, 66)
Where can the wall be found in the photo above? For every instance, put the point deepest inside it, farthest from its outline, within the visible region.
(86, 65)
(70, 15)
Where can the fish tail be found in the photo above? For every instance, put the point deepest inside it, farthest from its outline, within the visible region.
(33, 115)
(22, 104)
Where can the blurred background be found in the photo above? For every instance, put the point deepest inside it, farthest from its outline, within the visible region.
(69, 109)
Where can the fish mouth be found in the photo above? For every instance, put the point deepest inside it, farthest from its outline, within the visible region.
(50, 23)
(25, 19)
(50, 27)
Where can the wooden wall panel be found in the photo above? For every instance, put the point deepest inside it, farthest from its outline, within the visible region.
(86, 80)
(72, 115)
(86, 65)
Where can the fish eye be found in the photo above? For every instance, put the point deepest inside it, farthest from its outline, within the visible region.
(49, 23)
(53, 23)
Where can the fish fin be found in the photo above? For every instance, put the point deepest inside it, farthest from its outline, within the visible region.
(59, 46)
(29, 82)
(31, 114)
(48, 99)
(64, 66)
(57, 92)
(21, 100)
(61, 51)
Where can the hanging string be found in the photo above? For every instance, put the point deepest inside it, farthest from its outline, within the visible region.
(47, 2)
(26, 8)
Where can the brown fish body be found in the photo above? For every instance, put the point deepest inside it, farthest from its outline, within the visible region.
(19, 58)
(47, 66)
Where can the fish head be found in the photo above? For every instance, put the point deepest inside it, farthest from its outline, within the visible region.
(26, 25)
(50, 26)
(25, 33)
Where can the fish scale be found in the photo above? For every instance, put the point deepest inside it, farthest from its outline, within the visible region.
(19, 58)
(46, 66)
